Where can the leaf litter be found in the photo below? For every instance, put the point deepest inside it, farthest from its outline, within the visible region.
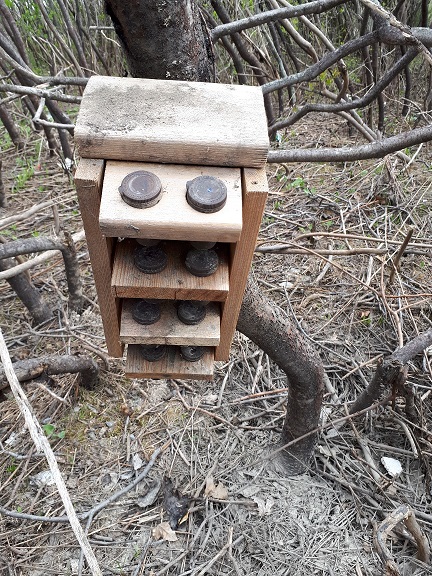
(234, 514)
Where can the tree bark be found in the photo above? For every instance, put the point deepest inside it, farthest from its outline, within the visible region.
(27, 293)
(152, 39)
(388, 370)
(32, 368)
(162, 40)
(288, 348)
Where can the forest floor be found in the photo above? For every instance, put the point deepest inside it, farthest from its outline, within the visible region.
(238, 515)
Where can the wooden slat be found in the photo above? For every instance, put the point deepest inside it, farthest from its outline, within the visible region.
(172, 121)
(169, 329)
(255, 189)
(88, 180)
(172, 366)
(174, 283)
(171, 218)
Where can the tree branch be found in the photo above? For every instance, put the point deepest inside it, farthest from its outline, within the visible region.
(377, 149)
(328, 60)
(315, 7)
(349, 105)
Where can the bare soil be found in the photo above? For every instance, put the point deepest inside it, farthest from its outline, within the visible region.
(239, 514)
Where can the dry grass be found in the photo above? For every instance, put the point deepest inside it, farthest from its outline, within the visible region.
(318, 523)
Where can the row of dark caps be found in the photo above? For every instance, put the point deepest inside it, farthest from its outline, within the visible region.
(143, 189)
(189, 312)
(155, 352)
(202, 260)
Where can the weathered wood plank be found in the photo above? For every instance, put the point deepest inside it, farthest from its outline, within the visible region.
(174, 283)
(169, 329)
(172, 366)
(88, 181)
(255, 190)
(173, 122)
(171, 218)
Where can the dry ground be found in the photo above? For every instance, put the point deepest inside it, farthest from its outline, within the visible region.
(322, 522)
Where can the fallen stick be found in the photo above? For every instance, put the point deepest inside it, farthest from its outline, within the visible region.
(405, 514)
(42, 445)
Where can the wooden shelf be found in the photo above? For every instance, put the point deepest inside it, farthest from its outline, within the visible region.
(169, 329)
(172, 366)
(173, 283)
(171, 218)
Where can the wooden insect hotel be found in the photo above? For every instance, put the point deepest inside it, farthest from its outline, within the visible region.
(172, 187)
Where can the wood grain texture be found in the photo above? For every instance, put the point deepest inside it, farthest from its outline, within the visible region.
(255, 190)
(174, 122)
(172, 366)
(174, 283)
(171, 218)
(169, 329)
(88, 181)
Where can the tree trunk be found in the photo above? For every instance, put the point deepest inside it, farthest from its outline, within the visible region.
(166, 41)
(163, 40)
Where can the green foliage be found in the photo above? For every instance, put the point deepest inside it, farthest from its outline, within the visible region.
(26, 172)
(49, 430)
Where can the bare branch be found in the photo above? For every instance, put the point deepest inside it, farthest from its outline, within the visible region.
(350, 105)
(27, 246)
(328, 60)
(315, 7)
(377, 149)
(40, 92)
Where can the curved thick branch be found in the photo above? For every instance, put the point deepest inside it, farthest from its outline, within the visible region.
(377, 149)
(27, 246)
(274, 333)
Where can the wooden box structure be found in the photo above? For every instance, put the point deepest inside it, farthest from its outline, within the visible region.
(177, 131)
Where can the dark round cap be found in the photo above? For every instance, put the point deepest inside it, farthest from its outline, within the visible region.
(191, 312)
(153, 352)
(146, 312)
(206, 194)
(141, 189)
(192, 353)
(150, 259)
(203, 245)
(202, 262)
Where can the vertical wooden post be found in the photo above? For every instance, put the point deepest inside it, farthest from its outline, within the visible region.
(88, 180)
(255, 189)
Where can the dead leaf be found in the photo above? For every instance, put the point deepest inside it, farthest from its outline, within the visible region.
(219, 492)
(164, 532)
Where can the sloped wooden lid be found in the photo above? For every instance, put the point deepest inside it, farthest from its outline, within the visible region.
(174, 122)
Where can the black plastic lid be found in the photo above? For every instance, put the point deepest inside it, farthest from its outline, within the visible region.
(153, 352)
(192, 353)
(146, 312)
(150, 259)
(141, 189)
(191, 312)
(206, 194)
(202, 262)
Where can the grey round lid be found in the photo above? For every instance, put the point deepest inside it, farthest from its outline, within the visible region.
(206, 194)
(141, 189)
